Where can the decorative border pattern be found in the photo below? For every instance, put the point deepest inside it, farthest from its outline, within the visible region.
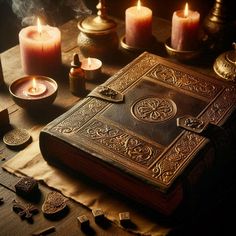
(170, 164)
(116, 140)
(184, 81)
(134, 73)
(73, 123)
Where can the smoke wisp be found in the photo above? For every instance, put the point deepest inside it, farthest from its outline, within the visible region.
(50, 11)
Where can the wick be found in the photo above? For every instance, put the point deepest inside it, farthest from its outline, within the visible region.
(36, 89)
(89, 62)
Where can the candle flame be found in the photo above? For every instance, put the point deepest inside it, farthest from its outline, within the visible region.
(89, 62)
(34, 85)
(39, 26)
(186, 10)
(139, 5)
(36, 88)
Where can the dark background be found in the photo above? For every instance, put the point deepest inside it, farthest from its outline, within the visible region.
(10, 24)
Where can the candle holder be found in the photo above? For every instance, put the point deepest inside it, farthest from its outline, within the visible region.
(29, 96)
(181, 55)
(149, 47)
(98, 37)
(219, 26)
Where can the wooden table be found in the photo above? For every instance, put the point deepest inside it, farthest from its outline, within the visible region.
(10, 223)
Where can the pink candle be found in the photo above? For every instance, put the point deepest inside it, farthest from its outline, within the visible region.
(40, 48)
(34, 91)
(185, 30)
(138, 21)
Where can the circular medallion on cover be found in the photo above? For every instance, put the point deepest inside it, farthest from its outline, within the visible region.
(154, 109)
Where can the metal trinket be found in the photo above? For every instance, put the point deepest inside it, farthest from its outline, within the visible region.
(225, 65)
(16, 137)
(98, 37)
(25, 211)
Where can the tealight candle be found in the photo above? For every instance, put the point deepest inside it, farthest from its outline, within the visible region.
(33, 91)
(92, 67)
(40, 48)
(185, 30)
(36, 88)
(138, 26)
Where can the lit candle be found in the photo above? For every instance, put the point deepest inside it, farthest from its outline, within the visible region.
(138, 26)
(33, 87)
(33, 92)
(36, 88)
(92, 67)
(185, 29)
(40, 48)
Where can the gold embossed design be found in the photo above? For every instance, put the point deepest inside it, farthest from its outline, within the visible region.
(74, 122)
(168, 166)
(133, 73)
(184, 81)
(220, 107)
(182, 150)
(16, 137)
(116, 140)
(154, 109)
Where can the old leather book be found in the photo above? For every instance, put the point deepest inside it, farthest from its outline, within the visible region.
(127, 133)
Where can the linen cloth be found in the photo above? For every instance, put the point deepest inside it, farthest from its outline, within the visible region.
(29, 162)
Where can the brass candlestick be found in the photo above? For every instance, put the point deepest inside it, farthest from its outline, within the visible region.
(218, 26)
(98, 37)
(225, 65)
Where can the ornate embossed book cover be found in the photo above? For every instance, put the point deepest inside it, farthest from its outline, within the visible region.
(125, 133)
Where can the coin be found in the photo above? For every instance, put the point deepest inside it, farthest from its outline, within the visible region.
(16, 137)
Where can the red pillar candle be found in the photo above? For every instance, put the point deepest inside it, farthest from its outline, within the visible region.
(40, 48)
(185, 30)
(138, 22)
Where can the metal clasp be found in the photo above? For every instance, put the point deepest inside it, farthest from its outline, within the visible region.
(192, 124)
(106, 93)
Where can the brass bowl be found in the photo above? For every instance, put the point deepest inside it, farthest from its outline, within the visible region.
(181, 55)
(18, 87)
(225, 66)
